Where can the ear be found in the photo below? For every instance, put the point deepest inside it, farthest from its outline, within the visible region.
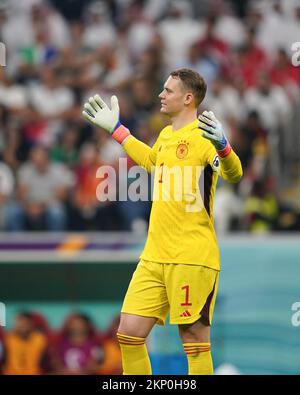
(189, 98)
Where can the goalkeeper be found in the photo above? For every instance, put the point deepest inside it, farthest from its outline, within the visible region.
(179, 268)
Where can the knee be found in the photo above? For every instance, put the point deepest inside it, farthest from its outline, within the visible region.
(128, 329)
(135, 326)
(13, 210)
(194, 333)
(56, 211)
(14, 216)
(56, 217)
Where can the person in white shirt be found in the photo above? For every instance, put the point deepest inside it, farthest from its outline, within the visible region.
(42, 191)
(7, 184)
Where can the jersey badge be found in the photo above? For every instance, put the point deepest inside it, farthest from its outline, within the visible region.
(182, 149)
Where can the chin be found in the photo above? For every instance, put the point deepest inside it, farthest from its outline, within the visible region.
(163, 110)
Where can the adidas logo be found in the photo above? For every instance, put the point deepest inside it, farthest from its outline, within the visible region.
(185, 314)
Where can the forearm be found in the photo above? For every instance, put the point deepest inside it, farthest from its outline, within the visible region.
(231, 167)
(61, 194)
(139, 152)
(3, 198)
(22, 195)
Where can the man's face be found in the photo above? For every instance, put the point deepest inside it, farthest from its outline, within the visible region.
(23, 325)
(39, 158)
(173, 97)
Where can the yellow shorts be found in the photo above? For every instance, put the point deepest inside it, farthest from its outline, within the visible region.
(187, 292)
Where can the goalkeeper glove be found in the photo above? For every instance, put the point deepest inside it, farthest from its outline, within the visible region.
(213, 131)
(97, 112)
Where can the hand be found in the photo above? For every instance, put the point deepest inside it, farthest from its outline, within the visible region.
(213, 130)
(99, 114)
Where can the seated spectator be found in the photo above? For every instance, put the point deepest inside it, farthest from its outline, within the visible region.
(1, 349)
(88, 211)
(112, 363)
(250, 61)
(251, 131)
(270, 102)
(225, 101)
(261, 208)
(213, 46)
(52, 101)
(12, 94)
(99, 30)
(41, 51)
(228, 209)
(25, 348)
(41, 324)
(202, 61)
(43, 189)
(6, 189)
(66, 149)
(16, 146)
(178, 32)
(77, 348)
(288, 218)
(286, 75)
(143, 98)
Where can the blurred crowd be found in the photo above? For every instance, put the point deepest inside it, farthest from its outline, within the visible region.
(78, 347)
(59, 53)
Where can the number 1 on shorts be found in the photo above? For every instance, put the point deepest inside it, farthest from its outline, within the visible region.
(187, 289)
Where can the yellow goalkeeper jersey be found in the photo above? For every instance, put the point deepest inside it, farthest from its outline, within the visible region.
(181, 228)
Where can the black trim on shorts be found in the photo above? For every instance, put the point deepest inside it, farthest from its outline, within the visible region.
(204, 313)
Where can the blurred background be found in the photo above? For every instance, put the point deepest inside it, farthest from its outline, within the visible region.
(67, 258)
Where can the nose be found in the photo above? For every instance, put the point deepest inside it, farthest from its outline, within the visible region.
(161, 95)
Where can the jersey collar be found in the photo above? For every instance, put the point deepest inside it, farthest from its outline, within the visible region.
(189, 126)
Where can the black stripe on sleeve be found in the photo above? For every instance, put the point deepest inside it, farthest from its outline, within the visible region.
(208, 177)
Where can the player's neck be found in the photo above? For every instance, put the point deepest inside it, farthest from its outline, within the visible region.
(181, 120)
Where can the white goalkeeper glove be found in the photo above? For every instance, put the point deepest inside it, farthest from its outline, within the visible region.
(97, 112)
(213, 130)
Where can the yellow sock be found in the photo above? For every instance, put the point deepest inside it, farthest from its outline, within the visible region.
(199, 358)
(135, 358)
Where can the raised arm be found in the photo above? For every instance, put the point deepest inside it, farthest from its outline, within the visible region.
(99, 114)
(221, 155)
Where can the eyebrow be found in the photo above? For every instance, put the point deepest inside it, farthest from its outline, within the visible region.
(168, 89)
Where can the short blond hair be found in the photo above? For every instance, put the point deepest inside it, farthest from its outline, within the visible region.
(192, 81)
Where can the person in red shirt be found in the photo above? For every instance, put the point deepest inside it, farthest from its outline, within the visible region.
(212, 45)
(78, 350)
(250, 60)
(283, 73)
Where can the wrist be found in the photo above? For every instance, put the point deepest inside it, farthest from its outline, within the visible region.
(120, 133)
(225, 151)
(118, 124)
(221, 144)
